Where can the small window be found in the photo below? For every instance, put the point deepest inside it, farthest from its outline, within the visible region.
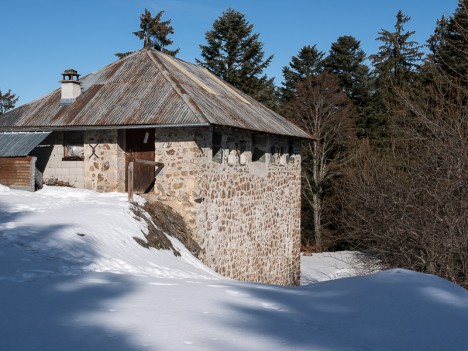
(217, 148)
(259, 155)
(73, 146)
(291, 151)
(260, 146)
(290, 147)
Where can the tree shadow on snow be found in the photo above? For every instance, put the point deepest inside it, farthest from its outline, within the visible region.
(393, 310)
(48, 303)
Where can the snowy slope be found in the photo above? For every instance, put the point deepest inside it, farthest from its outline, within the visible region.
(73, 278)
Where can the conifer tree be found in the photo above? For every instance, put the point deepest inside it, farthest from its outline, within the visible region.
(395, 67)
(234, 53)
(449, 44)
(7, 101)
(155, 33)
(307, 63)
(398, 57)
(346, 62)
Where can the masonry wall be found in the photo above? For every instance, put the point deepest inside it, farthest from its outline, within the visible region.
(102, 167)
(51, 163)
(245, 214)
(104, 160)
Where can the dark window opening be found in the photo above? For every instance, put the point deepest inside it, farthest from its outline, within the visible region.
(73, 146)
(290, 158)
(258, 155)
(217, 148)
(290, 148)
(260, 146)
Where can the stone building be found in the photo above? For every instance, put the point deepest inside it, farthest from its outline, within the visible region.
(227, 164)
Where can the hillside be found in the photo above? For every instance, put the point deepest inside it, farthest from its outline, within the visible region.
(72, 277)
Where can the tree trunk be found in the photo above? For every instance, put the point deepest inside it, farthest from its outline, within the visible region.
(317, 208)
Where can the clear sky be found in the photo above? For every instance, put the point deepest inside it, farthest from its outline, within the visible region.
(40, 39)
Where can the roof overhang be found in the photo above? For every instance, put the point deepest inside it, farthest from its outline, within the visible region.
(14, 144)
(100, 127)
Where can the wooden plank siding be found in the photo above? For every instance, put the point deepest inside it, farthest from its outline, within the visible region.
(18, 172)
(140, 146)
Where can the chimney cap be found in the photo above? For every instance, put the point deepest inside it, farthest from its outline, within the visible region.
(71, 71)
(70, 75)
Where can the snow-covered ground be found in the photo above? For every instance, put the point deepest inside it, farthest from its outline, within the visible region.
(73, 278)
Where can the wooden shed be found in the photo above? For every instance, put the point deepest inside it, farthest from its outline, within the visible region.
(17, 166)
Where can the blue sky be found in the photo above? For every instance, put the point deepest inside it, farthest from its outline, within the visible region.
(42, 38)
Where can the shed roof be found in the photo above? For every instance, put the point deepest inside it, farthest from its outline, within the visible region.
(149, 88)
(19, 143)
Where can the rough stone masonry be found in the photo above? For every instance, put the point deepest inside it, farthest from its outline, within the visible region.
(237, 191)
(245, 214)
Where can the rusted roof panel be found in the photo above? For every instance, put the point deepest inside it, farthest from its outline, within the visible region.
(20, 143)
(151, 88)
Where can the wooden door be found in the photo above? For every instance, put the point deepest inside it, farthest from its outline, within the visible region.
(140, 146)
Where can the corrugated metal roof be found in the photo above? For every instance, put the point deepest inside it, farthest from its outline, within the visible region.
(16, 144)
(150, 88)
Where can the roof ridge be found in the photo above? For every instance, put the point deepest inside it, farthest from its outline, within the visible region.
(179, 90)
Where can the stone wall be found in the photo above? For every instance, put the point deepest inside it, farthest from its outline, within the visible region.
(245, 214)
(104, 160)
(182, 151)
(102, 167)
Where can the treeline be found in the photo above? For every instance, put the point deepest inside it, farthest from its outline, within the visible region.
(388, 171)
(388, 175)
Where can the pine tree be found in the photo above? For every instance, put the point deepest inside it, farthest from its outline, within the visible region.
(346, 62)
(395, 67)
(235, 54)
(449, 44)
(154, 33)
(307, 63)
(398, 57)
(7, 101)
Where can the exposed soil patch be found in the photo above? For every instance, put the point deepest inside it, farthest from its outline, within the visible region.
(172, 223)
(155, 237)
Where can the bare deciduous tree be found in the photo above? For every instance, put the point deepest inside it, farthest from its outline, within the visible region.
(323, 110)
(409, 204)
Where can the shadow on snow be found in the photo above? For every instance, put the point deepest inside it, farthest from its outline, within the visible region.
(392, 310)
(45, 305)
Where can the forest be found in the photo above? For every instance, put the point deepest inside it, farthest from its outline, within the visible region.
(387, 173)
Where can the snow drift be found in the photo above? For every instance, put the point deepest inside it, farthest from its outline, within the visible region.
(73, 278)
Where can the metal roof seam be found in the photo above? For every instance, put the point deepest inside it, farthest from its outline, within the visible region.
(176, 86)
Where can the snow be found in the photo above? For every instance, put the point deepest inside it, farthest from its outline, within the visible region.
(73, 278)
